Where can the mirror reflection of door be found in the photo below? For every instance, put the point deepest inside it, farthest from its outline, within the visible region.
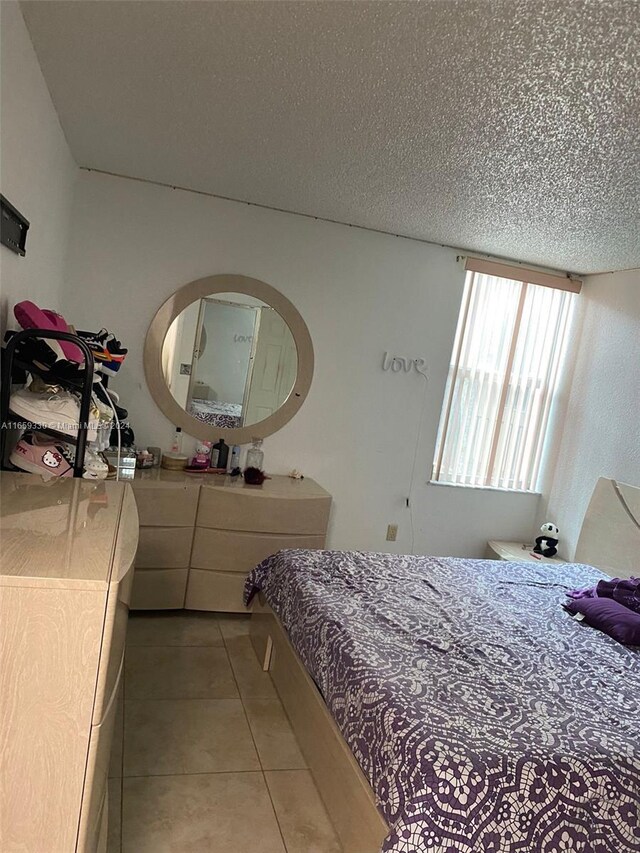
(222, 358)
(177, 352)
(229, 360)
(274, 368)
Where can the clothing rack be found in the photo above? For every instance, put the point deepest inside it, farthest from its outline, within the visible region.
(9, 362)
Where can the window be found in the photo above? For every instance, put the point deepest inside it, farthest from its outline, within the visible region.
(504, 373)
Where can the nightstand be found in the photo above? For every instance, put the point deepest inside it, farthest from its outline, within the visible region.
(515, 552)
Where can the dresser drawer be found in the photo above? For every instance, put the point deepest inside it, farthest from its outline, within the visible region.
(207, 590)
(164, 547)
(235, 551)
(103, 826)
(243, 509)
(159, 589)
(113, 642)
(166, 504)
(96, 779)
(127, 540)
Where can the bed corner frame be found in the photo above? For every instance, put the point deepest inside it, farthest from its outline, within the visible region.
(343, 786)
(610, 534)
(609, 539)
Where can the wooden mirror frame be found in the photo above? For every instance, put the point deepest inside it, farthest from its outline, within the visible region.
(209, 286)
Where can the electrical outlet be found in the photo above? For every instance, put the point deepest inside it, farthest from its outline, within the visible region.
(392, 532)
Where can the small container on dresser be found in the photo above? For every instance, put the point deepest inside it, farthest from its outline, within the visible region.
(255, 454)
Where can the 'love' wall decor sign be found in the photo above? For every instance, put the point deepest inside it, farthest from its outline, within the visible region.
(398, 364)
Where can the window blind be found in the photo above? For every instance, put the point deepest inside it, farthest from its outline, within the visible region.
(505, 366)
(544, 279)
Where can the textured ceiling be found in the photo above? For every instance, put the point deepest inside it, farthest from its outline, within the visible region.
(505, 126)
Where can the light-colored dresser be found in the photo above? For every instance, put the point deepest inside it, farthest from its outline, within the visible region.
(221, 528)
(67, 549)
(167, 506)
(237, 526)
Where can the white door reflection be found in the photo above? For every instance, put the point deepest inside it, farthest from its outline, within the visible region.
(229, 360)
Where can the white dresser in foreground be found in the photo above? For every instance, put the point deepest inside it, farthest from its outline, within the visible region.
(201, 535)
(67, 549)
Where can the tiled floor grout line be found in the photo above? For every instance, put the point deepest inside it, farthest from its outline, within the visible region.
(213, 773)
(183, 698)
(255, 745)
(175, 646)
(193, 773)
(282, 770)
(224, 645)
(275, 811)
(124, 699)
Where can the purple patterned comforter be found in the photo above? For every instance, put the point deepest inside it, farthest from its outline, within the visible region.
(217, 414)
(486, 719)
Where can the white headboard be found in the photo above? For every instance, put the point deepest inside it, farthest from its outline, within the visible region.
(610, 535)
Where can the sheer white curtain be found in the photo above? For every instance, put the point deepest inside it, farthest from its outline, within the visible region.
(504, 371)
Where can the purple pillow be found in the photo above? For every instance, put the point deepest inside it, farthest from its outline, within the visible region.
(609, 616)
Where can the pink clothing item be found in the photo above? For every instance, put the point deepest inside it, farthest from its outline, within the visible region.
(31, 317)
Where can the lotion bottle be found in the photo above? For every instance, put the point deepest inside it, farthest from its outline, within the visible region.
(234, 458)
(176, 447)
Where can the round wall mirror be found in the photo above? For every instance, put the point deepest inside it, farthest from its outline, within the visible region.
(228, 356)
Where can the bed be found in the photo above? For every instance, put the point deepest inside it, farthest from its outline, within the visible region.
(447, 704)
(217, 414)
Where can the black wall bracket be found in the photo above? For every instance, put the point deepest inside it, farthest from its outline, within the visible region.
(13, 228)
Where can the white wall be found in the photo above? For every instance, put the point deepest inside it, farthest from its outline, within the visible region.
(601, 432)
(360, 293)
(37, 172)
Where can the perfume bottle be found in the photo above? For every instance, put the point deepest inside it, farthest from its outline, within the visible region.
(176, 446)
(255, 454)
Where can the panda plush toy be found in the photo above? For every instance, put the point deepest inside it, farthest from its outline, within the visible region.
(548, 542)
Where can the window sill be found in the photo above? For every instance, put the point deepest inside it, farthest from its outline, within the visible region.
(483, 488)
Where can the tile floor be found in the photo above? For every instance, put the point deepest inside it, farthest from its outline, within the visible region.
(204, 759)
